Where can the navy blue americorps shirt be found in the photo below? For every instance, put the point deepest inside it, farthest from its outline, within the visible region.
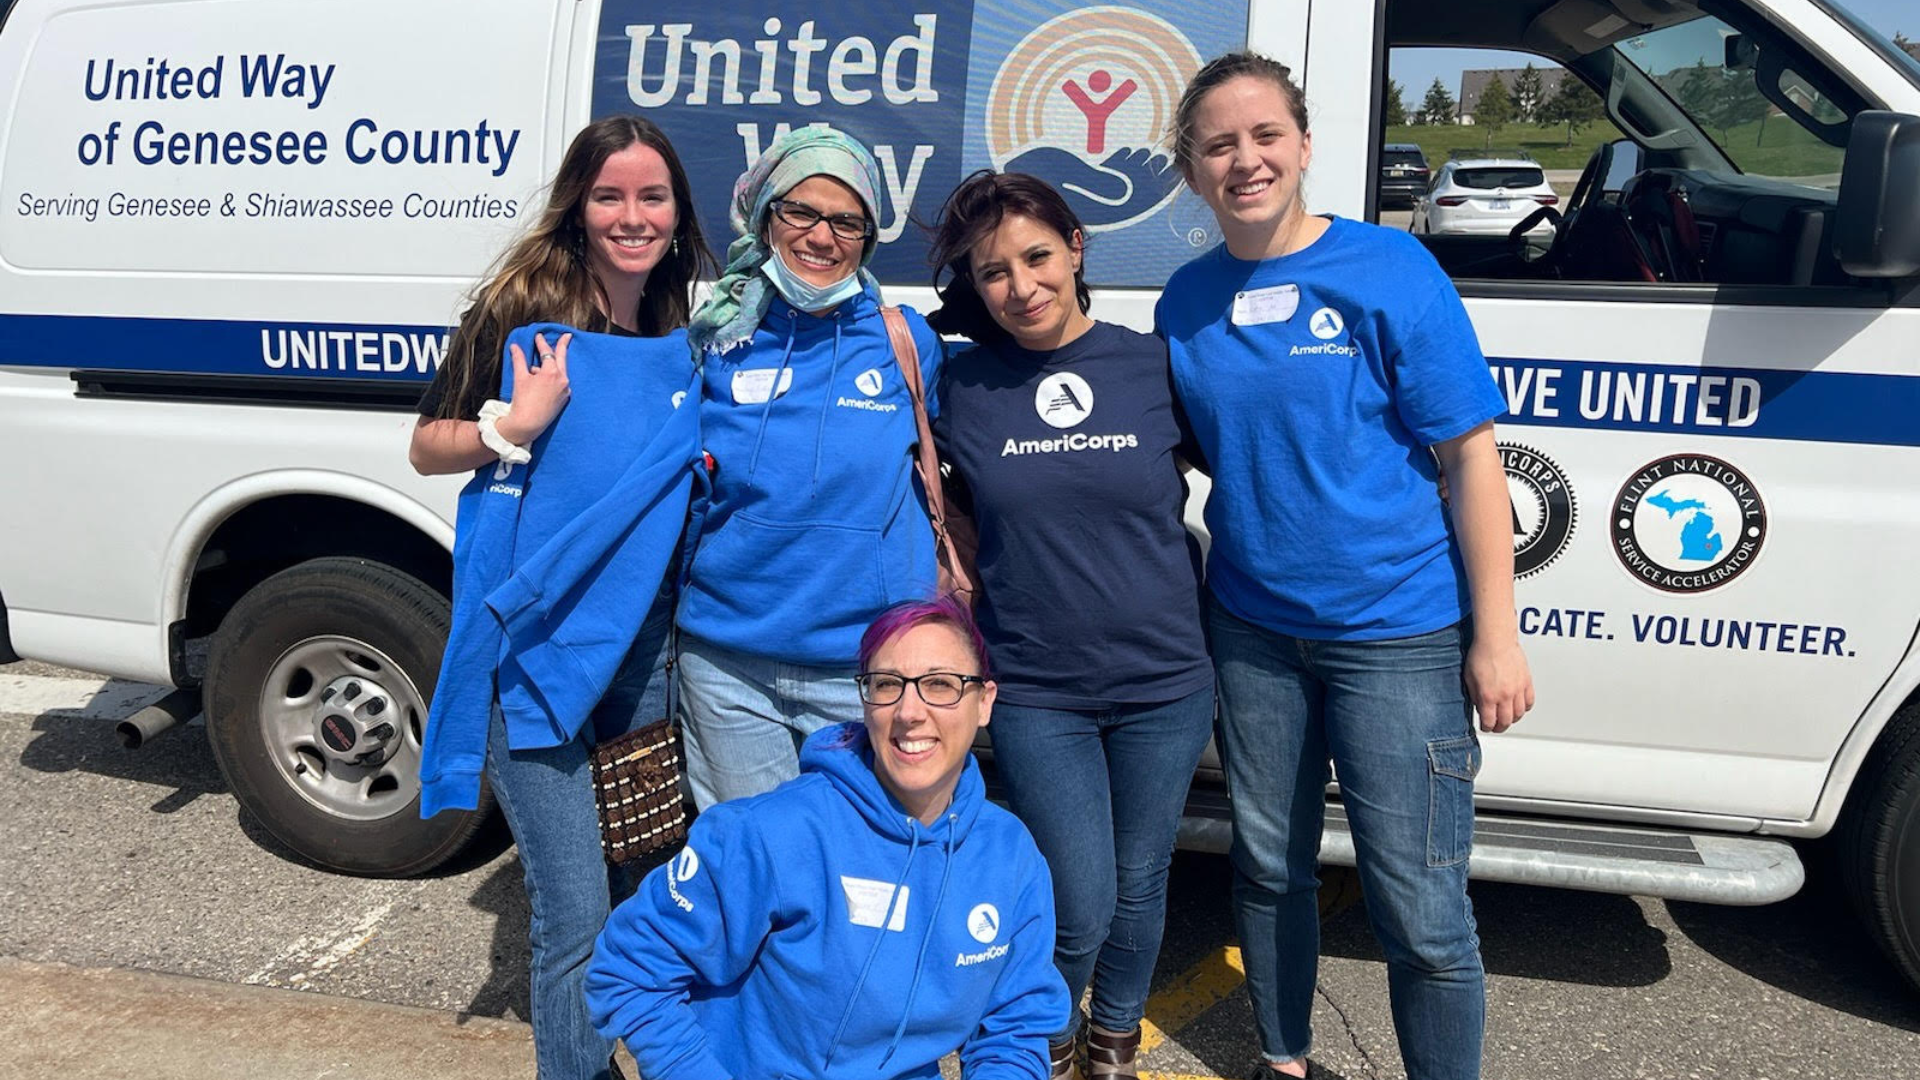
(1090, 583)
(1315, 383)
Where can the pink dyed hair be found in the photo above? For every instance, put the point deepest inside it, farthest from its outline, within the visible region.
(904, 616)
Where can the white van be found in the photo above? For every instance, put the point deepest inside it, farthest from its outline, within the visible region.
(232, 235)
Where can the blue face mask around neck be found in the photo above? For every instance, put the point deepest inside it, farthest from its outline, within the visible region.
(805, 295)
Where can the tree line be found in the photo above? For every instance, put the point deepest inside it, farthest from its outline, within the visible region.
(1572, 103)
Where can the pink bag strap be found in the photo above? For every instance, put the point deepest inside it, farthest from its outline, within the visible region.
(907, 355)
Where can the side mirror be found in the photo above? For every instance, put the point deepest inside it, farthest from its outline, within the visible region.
(1877, 231)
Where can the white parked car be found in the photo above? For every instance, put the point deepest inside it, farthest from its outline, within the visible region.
(1482, 196)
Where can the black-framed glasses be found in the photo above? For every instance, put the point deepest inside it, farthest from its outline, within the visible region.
(942, 689)
(804, 217)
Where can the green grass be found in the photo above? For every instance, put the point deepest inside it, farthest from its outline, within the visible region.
(1778, 147)
(1547, 143)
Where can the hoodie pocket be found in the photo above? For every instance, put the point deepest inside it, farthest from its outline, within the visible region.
(791, 590)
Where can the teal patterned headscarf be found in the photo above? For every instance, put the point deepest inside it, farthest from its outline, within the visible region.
(742, 295)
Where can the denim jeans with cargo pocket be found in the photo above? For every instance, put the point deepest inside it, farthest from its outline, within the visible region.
(1393, 720)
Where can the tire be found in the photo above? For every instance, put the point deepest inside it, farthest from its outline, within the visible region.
(1878, 839)
(317, 687)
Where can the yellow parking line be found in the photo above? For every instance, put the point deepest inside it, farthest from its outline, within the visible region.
(1200, 988)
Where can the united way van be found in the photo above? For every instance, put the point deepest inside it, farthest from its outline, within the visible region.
(232, 236)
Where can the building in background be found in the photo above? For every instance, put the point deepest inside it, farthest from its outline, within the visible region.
(1474, 82)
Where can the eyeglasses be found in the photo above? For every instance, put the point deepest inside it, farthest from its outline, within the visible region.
(942, 689)
(804, 217)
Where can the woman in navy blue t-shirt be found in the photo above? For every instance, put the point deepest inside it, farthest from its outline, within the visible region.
(1062, 434)
(1326, 365)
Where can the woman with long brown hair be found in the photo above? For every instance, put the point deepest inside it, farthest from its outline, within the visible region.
(613, 254)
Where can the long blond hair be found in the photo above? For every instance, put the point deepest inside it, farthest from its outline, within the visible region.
(544, 276)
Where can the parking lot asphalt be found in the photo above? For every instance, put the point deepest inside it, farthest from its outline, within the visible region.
(136, 899)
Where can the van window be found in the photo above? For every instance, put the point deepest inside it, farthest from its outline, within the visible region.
(1498, 177)
(1080, 96)
(1698, 148)
(1689, 62)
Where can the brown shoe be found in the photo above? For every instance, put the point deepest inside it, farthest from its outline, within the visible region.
(1065, 1058)
(1110, 1054)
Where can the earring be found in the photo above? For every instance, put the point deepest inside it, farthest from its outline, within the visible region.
(676, 245)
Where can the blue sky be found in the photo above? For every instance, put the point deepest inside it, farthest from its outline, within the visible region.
(1416, 68)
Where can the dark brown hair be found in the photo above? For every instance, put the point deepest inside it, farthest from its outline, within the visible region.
(1219, 71)
(544, 276)
(969, 216)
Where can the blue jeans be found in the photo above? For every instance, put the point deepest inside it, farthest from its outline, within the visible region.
(1101, 791)
(1392, 717)
(746, 716)
(547, 796)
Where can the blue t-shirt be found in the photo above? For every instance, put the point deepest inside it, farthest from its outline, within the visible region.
(1090, 583)
(1315, 383)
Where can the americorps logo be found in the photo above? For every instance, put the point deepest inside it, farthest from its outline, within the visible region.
(1063, 399)
(983, 922)
(1326, 324)
(870, 382)
(686, 865)
(1084, 102)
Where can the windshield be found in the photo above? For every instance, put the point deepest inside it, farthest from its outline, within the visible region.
(1498, 177)
(1881, 44)
(1688, 61)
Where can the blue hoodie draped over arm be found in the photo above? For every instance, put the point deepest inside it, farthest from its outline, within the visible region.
(557, 561)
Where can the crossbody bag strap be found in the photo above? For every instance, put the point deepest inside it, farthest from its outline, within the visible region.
(907, 355)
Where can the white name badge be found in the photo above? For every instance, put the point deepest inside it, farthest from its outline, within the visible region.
(868, 902)
(756, 386)
(1273, 304)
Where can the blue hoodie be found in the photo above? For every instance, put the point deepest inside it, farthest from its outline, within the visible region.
(556, 562)
(820, 930)
(815, 523)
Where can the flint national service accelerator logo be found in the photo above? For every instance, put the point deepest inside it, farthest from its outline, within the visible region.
(1688, 523)
(1544, 512)
(1084, 101)
(1063, 399)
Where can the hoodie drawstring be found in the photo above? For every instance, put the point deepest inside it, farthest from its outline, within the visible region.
(887, 920)
(826, 403)
(920, 963)
(773, 391)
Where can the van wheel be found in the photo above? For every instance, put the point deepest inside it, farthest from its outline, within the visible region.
(317, 688)
(1879, 840)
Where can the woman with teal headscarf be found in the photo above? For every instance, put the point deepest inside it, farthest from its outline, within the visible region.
(812, 523)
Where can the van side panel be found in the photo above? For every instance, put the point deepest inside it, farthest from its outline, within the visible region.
(293, 192)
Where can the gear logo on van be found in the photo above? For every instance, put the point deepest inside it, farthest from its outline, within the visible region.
(1083, 102)
(1687, 523)
(1544, 511)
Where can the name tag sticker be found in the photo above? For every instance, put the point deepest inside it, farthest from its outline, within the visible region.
(870, 903)
(754, 387)
(1273, 304)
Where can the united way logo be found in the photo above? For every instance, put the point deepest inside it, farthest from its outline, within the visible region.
(983, 922)
(1326, 324)
(1544, 512)
(1688, 523)
(1063, 399)
(1084, 103)
(870, 382)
